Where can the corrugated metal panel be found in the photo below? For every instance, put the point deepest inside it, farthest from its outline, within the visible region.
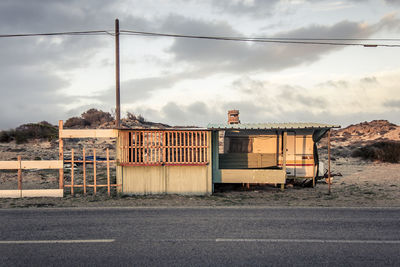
(271, 126)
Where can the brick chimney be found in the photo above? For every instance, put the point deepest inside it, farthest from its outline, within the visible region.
(233, 116)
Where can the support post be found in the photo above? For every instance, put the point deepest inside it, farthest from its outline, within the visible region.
(72, 171)
(329, 161)
(19, 173)
(117, 77)
(108, 173)
(60, 154)
(84, 170)
(314, 174)
(284, 156)
(94, 172)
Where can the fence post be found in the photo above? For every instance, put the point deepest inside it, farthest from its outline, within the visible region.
(284, 150)
(108, 172)
(19, 173)
(84, 171)
(94, 172)
(61, 154)
(72, 171)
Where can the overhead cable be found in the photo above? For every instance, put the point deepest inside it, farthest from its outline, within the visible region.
(365, 42)
(310, 41)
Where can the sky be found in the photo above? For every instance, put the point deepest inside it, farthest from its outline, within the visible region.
(195, 82)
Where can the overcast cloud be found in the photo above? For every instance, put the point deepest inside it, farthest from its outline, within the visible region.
(188, 82)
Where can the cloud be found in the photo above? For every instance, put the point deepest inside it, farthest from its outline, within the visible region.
(262, 8)
(334, 84)
(395, 103)
(299, 96)
(246, 7)
(249, 57)
(392, 2)
(34, 71)
(25, 98)
(369, 80)
(194, 114)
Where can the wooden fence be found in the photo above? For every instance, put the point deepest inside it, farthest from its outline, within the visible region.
(86, 133)
(155, 147)
(20, 165)
(85, 184)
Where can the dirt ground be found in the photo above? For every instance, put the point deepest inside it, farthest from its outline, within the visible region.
(362, 184)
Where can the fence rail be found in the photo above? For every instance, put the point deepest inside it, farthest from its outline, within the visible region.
(150, 148)
(20, 165)
(31, 164)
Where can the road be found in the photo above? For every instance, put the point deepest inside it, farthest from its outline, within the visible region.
(238, 236)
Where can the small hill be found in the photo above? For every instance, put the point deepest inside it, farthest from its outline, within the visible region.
(377, 140)
(366, 133)
(90, 119)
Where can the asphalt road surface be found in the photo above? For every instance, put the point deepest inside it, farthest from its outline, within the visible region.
(236, 236)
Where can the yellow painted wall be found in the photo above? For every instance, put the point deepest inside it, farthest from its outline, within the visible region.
(185, 180)
(265, 144)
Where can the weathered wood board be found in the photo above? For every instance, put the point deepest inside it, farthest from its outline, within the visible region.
(253, 176)
(31, 164)
(89, 133)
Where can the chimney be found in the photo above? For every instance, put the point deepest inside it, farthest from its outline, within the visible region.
(233, 116)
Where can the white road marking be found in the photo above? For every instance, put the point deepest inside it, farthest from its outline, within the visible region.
(308, 241)
(56, 241)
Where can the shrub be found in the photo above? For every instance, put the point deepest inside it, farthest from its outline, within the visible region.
(91, 118)
(131, 116)
(26, 132)
(6, 136)
(75, 122)
(385, 151)
(41, 130)
(96, 117)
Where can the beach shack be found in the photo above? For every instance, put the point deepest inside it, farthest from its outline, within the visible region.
(265, 152)
(190, 161)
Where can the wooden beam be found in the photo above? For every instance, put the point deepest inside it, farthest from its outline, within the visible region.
(284, 150)
(72, 171)
(31, 164)
(84, 171)
(89, 133)
(19, 174)
(60, 155)
(42, 193)
(253, 176)
(31, 193)
(108, 173)
(94, 172)
(10, 193)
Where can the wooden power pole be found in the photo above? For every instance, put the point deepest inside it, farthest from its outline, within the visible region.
(117, 82)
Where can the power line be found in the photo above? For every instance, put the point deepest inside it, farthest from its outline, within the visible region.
(102, 32)
(365, 42)
(310, 41)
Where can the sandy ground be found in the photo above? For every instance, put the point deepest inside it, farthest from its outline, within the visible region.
(362, 184)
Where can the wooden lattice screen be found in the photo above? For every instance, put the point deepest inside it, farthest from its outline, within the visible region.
(144, 148)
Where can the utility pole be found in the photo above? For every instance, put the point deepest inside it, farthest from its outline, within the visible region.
(329, 162)
(117, 82)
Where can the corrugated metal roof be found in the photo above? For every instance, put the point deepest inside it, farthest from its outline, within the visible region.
(271, 126)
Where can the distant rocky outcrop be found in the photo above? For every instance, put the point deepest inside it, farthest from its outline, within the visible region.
(377, 140)
(366, 132)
